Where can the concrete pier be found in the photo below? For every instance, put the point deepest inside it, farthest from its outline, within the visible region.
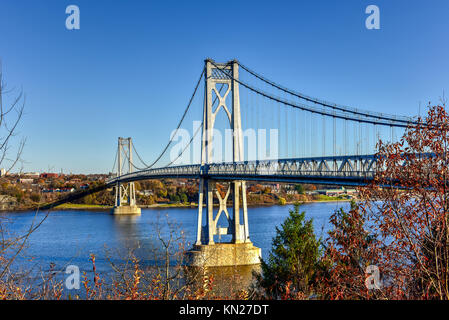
(126, 210)
(224, 254)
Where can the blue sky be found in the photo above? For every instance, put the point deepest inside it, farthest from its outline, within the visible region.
(131, 67)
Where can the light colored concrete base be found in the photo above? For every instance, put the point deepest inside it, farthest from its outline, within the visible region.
(224, 254)
(126, 210)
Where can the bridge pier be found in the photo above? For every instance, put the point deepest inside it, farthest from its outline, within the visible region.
(125, 193)
(240, 250)
(126, 210)
(224, 255)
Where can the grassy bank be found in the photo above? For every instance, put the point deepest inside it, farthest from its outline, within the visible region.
(324, 198)
(76, 206)
(96, 207)
(71, 206)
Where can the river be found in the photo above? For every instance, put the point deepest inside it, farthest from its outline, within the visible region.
(70, 236)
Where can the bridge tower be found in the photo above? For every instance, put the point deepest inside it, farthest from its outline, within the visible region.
(240, 251)
(125, 193)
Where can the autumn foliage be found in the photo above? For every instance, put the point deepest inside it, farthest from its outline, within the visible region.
(399, 228)
(351, 246)
(408, 202)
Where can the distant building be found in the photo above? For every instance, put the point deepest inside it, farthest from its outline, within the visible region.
(146, 193)
(338, 192)
(52, 190)
(351, 191)
(32, 174)
(73, 182)
(2, 172)
(332, 192)
(26, 180)
(274, 187)
(48, 175)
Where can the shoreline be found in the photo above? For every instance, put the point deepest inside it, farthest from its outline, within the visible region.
(183, 206)
(71, 206)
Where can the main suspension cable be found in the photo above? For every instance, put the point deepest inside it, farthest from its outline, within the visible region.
(334, 106)
(309, 108)
(179, 124)
(115, 161)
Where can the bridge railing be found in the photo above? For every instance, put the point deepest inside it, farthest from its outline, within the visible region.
(357, 167)
(345, 166)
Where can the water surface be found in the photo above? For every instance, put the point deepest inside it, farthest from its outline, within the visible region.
(70, 236)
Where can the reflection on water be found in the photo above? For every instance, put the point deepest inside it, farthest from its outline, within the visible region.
(127, 231)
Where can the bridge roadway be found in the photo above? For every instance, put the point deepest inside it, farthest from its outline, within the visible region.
(340, 170)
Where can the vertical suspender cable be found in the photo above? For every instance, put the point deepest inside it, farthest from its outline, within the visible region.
(334, 135)
(345, 137)
(294, 132)
(324, 136)
(286, 131)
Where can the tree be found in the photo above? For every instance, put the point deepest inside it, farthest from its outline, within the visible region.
(12, 104)
(282, 201)
(294, 258)
(35, 197)
(11, 112)
(299, 188)
(89, 199)
(350, 248)
(184, 198)
(409, 202)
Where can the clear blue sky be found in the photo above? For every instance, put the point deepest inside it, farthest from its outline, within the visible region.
(131, 67)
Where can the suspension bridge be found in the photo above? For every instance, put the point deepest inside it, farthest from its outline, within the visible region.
(310, 141)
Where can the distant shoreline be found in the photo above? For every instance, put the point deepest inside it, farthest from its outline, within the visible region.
(179, 205)
(88, 207)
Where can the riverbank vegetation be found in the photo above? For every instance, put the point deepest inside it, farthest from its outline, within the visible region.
(18, 196)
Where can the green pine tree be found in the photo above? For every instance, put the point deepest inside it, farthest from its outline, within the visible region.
(294, 258)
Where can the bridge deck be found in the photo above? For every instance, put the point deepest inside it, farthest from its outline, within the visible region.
(342, 170)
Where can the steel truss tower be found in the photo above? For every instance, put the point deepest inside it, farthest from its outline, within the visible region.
(238, 230)
(125, 193)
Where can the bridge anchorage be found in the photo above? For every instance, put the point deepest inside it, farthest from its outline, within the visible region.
(125, 193)
(240, 250)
